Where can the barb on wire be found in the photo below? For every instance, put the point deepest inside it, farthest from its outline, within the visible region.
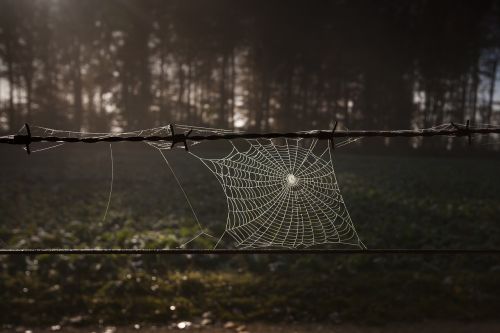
(172, 130)
(177, 138)
(332, 143)
(463, 131)
(23, 139)
(186, 137)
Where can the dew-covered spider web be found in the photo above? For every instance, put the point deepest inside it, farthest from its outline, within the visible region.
(283, 195)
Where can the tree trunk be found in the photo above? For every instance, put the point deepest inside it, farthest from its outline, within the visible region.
(265, 103)
(463, 99)
(491, 93)
(77, 89)
(187, 116)
(233, 92)
(288, 115)
(29, 97)
(163, 118)
(181, 90)
(347, 97)
(222, 92)
(10, 77)
(475, 87)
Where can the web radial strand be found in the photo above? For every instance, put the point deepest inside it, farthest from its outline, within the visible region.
(282, 195)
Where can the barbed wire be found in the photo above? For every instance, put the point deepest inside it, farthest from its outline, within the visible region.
(248, 251)
(455, 130)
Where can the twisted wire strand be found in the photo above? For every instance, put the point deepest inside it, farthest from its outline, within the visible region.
(458, 131)
(99, 251)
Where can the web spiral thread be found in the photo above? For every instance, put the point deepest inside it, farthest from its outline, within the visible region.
(283, 196)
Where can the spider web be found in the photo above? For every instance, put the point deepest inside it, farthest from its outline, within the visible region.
(282, 196)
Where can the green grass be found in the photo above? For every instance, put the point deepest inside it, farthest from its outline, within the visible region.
(57, 199)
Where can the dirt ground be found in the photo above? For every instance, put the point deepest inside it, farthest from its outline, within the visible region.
(428, 327)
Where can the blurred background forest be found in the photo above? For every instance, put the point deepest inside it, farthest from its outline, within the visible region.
(116, 65)
(112, 65)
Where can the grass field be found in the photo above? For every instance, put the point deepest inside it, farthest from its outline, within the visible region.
(58, 198)
(428, 327)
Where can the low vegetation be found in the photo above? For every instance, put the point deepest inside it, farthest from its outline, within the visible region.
(57, 199)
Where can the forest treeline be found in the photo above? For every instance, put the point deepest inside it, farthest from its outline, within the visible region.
(263, 65)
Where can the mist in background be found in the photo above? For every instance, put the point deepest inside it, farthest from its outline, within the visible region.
(122, 65)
